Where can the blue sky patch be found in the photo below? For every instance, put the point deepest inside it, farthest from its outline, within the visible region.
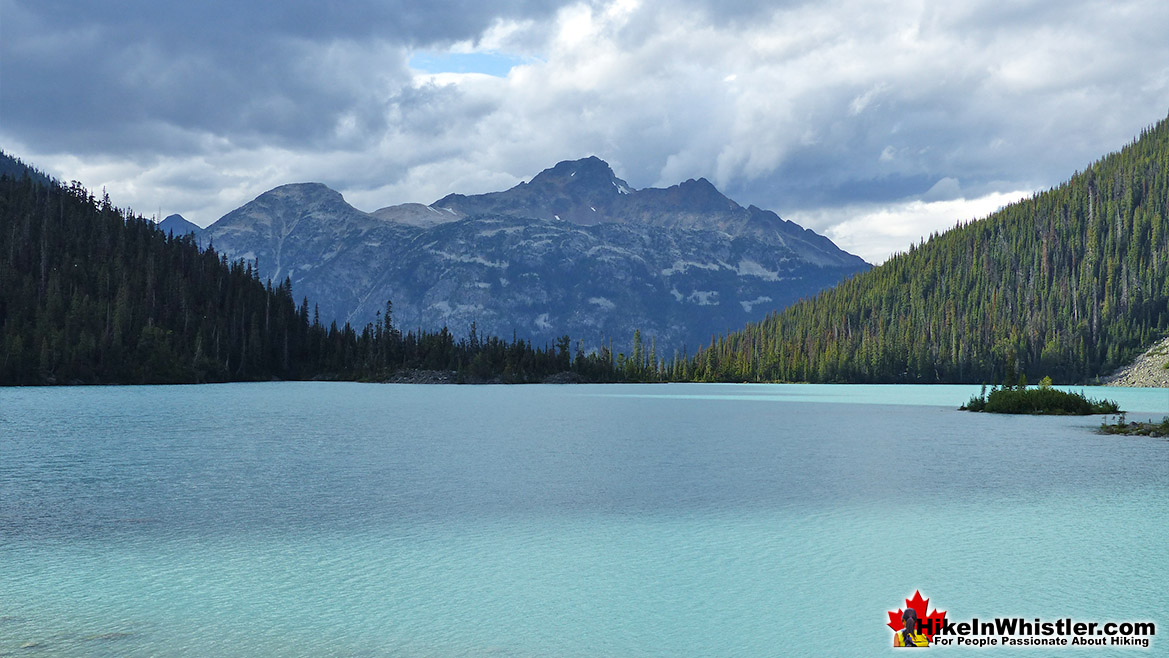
(489, 63)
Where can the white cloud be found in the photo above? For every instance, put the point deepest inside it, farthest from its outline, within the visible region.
(876, 232)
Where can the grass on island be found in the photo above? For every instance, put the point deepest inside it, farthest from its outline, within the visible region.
(1043, 399)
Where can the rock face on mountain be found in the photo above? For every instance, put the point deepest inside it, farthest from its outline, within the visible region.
(334, 254)
(575, 251)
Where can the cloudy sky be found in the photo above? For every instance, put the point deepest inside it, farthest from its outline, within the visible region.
(872, 122)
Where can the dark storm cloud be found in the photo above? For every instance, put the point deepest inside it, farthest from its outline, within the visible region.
(888, 152)
(218, 23)
(136, 76)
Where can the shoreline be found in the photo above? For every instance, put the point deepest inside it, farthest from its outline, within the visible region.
(1126, 377)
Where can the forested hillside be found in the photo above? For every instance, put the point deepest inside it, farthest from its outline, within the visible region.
(16, 168)
(1070, 283)
(90, 294)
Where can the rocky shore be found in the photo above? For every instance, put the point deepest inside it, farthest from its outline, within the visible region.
(1148, 370)
(452, 377)
(1150, 428)
(423, 377)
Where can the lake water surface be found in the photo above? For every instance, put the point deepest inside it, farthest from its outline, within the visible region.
(320, 519)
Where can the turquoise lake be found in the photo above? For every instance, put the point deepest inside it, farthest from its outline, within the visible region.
(331, 519)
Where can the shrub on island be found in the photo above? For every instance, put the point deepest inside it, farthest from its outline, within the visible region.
(1043, 399)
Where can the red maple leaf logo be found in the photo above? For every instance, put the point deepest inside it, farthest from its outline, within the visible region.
(929, 624)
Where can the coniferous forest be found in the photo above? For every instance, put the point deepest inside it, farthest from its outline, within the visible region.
(1071, 283)
(90, 293)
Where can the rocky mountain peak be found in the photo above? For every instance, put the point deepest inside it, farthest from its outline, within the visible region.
(313, 192)
(702, 196)
(178, 225)
(582, 191)
(587, 173)
(587, 192)
(290, 230)
(315, 202)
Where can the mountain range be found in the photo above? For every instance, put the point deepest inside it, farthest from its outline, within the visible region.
(574, 251)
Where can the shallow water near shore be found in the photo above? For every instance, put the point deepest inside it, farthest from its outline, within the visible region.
(667, 520)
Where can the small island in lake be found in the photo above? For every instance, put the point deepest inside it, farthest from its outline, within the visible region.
(1135, 428)
(1043, 399)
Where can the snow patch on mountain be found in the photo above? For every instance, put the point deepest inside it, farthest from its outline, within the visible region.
(704, 297)
(748, 306)
(462, 258)
(490, 233)
(749, 267)
(603, 303)
(680, 267)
